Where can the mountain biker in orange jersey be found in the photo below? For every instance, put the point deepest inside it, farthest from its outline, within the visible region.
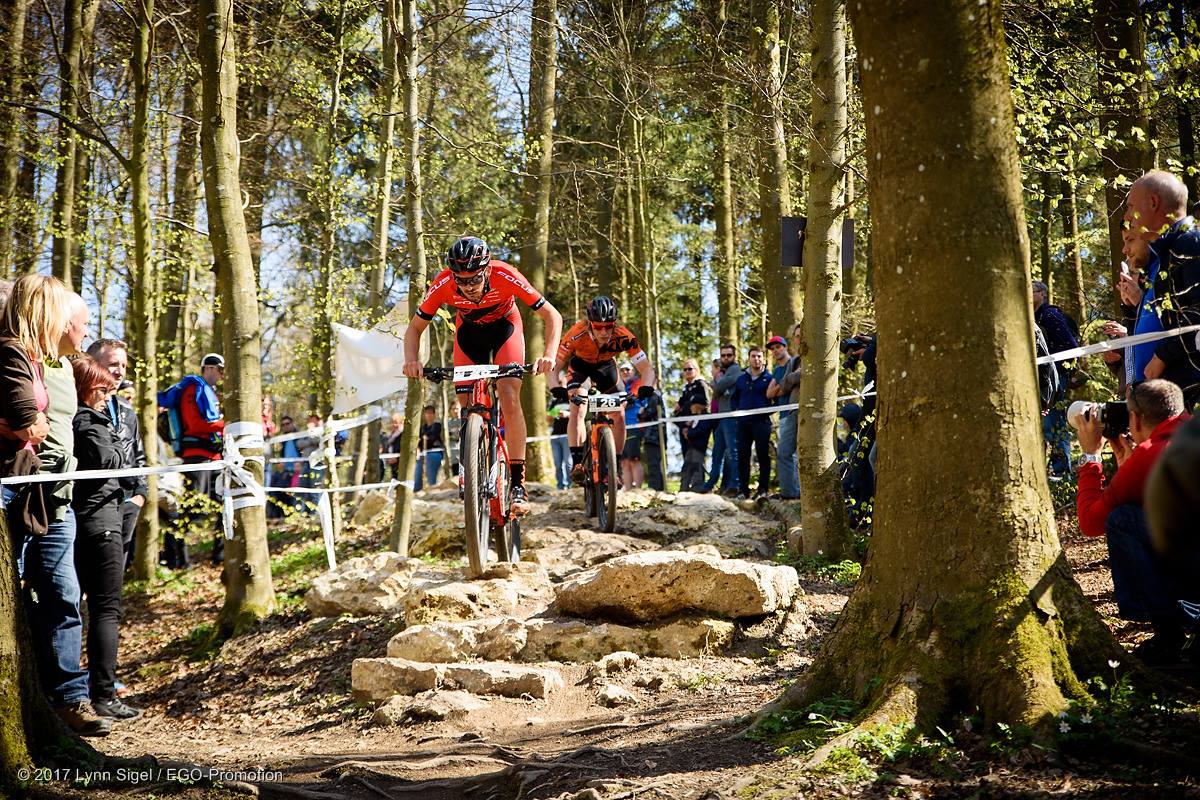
(488, 330)
(588, 351)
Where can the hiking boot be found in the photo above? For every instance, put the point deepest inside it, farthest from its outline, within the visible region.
(579, 475)
(116, 709)
(82, 718)
(519, 500)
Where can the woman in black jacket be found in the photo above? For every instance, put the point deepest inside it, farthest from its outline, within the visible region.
(99, 547)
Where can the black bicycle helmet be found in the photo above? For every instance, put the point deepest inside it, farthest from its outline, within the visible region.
(602, 309)
(468, 254)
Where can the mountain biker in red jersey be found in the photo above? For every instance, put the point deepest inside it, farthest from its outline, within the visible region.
(488, 330)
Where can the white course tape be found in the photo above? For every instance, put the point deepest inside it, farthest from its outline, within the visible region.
(1120, 343)
(236, 484)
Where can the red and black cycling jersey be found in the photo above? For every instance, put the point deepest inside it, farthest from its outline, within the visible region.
(504, 283)
(578, 343)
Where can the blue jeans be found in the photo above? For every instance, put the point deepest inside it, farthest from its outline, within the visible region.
(428, 466)
(785, 457)
(562, 461)
(47, 565)
(1147, 587)
(1058, 436)
(724, 456)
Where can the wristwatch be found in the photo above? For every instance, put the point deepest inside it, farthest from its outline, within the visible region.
(1088, 458)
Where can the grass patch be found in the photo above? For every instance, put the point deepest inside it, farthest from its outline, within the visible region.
(843, 573)
(202, 642)
(289, 565)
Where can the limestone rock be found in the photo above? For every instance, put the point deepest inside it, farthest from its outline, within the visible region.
(373, 504)
(437, 706)
(380, 678)
(391, 713)
(611, 696)
(491, 639)
(374, 584)
(581, 641)
(649, 586)
(504, 590)
(563, 550)
(616, 662)
(651, 682)
(703, 550)
(438, 528)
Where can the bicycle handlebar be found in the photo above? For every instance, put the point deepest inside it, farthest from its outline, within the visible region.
(477, 371)
(616, 399)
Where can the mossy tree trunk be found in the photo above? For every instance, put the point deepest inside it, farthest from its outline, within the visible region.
(823, 515)
(1124, 120)
(535, 246)
(966, 601)
(25, 717)
(781, 286)
(249, 592)
(417, 277)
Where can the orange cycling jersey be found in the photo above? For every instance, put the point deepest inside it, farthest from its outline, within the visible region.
(504, 283)
(578, 343)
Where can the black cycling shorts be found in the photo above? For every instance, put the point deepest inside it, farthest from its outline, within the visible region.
(603, 375)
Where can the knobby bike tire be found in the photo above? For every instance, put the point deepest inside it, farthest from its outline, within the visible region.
(476, 506)
(508, 533)
(606, 492)
(589, 488)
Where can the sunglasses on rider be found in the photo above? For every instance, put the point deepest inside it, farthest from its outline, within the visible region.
(473, 279)
(603, 326)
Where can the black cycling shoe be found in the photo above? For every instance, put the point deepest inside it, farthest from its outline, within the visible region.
(579, 475)
(519, 500)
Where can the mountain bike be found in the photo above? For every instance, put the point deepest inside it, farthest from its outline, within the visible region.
(601, 478)
(487, 500)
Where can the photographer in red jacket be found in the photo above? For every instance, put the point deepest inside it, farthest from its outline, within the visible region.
(1146, 588)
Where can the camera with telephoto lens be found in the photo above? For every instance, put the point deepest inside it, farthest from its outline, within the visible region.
(848, 346)
(1114, 416)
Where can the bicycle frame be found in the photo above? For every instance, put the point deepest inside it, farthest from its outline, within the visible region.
(600, 408)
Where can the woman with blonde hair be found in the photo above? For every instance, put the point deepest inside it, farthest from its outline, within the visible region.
(32, 321)
(41, 320)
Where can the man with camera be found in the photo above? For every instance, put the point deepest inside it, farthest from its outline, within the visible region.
(1156, 213)
(1142, 582)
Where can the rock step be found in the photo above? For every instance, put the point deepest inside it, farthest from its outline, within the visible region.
(537, 640)
(377, 679)
(650, 586)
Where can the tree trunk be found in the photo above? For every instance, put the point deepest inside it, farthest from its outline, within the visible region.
(327, 291)
(249, 593)
(180, 254)
(13, 68)
(255, 121)
(26, 247)
(63, 211)
(417, 278)
(535, 248)
(966, 601)
(781, 286)
(366, 466)
(1071, 297)
(724, 260)
(1124, 120)
(25, 718)
(823, 515)
(1045, 233)
(1185, 103)
(143, 317)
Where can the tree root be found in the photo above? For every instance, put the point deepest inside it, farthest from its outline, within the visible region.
(899, 706)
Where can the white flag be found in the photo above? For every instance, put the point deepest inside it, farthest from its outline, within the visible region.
(367, 367)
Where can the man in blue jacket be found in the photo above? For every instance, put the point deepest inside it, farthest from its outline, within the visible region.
(724, 449)
(750, 392)
(1060, 336)
(1156, 212)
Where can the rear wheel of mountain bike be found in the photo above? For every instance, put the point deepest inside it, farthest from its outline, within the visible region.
(606, 490)
(476, 503)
